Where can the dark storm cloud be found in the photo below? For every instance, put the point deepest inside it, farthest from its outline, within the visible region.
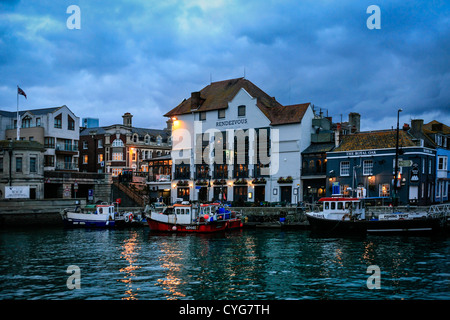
(145, 57)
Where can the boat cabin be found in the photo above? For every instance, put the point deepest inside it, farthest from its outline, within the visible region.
(340, 208)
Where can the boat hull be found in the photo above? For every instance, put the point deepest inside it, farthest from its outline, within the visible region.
(83, 223)
(187, 228)
(426, 225)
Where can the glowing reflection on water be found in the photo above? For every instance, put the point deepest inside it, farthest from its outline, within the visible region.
(130, 254)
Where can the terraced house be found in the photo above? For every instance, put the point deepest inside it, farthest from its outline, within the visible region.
(367, 159)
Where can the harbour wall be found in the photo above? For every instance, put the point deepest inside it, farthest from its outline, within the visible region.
(24, 213)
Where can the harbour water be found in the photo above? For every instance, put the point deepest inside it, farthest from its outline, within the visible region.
(259, 264)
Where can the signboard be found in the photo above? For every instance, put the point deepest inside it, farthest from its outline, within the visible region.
(91, 194)
(414, 173)
(405, 163)
(22, 192)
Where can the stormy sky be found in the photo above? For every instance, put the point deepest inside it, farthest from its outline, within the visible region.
(145, 57)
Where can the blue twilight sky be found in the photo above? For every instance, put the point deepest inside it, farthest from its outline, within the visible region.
(145, 57)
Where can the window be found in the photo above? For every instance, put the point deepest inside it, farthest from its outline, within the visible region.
(423, 166)
(116, 172)
(85, 159)
(345, 168)
(202, 116)
(429, 166)
(49, 142)
(117, 143)
(38, 122)
(1, 165)
(100, 143)
(445, 191)
(70, 123)
(85, 144)
(221, 113)
(117, 156)
(158, 140)
(18, 164)
(49, 161)
(58, 122)
(367, 167)
(442, 163)
(438, 139)
(33, 164)
(241, 111)
(384, 190)
(26, 122)
(100, 158)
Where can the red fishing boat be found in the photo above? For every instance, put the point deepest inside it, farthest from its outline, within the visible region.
(186, 217)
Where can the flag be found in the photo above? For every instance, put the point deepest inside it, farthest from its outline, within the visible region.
(20, 91)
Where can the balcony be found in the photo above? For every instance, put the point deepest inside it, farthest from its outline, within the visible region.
(182, 172)
(220, 171)
(60, 165)
(240, 171)
(64, 148)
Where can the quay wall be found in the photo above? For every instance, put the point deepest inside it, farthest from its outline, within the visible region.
(22, 213)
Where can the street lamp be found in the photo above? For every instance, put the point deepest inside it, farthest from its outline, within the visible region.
(396, 161)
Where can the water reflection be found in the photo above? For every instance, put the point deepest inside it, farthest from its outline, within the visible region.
(170, 259)
(130, 253)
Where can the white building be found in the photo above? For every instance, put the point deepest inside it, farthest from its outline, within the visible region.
(232, 141)
(57, 128)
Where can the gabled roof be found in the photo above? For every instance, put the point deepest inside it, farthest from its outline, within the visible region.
(375, 140)
(217, 95)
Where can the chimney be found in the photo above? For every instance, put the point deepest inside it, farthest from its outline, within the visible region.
(127, 119)
(406, 127)
(354, 121)
(416, 126)
(195, 100)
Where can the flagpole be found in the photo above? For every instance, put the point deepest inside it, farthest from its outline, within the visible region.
(18, 128)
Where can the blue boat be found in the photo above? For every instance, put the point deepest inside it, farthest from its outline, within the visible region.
(91, 216)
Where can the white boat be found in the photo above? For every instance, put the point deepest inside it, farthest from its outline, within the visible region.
(94, 216)
(348, 215)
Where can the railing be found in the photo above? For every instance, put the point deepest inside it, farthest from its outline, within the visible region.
(66, 147)
(240, 173)
(66, 166)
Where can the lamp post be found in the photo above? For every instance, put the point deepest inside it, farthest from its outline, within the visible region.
(396, 162)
